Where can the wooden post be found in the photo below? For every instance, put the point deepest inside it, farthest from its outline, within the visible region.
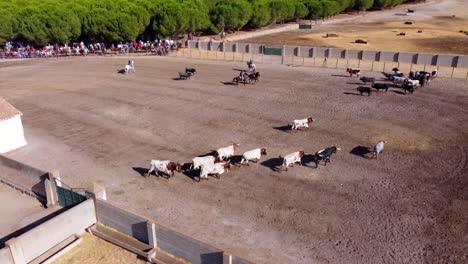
(372, 67)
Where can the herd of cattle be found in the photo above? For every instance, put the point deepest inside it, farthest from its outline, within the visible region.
(221, 160)
(408, 84)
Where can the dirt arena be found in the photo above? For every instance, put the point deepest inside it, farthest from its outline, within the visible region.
(438, 20)
(410, 205)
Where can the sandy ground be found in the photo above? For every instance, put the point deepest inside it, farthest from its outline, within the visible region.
(410, 205)
(93, 250)
(440, 22)
(16, 209)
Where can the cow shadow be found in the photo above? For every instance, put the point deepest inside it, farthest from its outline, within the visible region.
(142, 171)
(309, 159)
(348, 93)
(211, 153)
(361, 151)
(273, 164)
(235, 69)
(356, 83)
(398, 92)
(192, 174)
(121, 71)
(235, 160)
(286, 128)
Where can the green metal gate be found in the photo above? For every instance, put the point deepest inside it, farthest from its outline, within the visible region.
(67, 197)
(305, 26)
(273, 51)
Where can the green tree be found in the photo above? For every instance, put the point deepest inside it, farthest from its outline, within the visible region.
(262, 13)
(230, 15)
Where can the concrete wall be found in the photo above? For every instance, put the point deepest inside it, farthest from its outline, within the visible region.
(35, 242)
(462, 61)
(187, 248)
(407, 57)
(426, 59)
(25, 177)
(388, 56)
(454, 66)
(242, 47)
(5, 256)
(257, 48)
(447, 60)
(123, 221)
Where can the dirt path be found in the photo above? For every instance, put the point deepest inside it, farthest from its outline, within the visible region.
(410, 205)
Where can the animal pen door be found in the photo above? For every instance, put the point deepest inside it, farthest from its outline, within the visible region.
(273, 51)
(68, 198)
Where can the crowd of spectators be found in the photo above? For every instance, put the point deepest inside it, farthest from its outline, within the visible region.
(19, 50)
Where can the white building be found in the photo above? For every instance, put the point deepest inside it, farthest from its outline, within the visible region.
(11, 128)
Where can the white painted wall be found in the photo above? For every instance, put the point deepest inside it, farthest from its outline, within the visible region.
(11, 134)
(35, 242)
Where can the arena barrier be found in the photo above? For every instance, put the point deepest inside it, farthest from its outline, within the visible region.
(449, 65)
(142, 236)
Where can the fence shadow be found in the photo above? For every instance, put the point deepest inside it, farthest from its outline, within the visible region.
(211, 258)
(273, 164)
(361, 151)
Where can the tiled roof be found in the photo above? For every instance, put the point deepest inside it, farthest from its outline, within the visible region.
(7, 111)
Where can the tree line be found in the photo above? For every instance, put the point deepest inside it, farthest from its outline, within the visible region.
(41, 22)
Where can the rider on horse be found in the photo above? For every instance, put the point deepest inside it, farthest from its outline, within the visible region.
(242, 75)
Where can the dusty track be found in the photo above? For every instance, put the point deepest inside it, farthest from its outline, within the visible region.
(410, 205)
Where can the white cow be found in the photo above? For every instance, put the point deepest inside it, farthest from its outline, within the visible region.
(253, 155)
(399, 81)
(214, 169)
(227, 152)
(301, 123)
(164, 166)
(378, 148)
(290, 159)
(414, 83)
(202, 161)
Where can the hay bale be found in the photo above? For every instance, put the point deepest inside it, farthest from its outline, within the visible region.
(361, 41)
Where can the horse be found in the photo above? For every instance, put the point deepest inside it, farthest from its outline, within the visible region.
(253, 78)
(237, 80)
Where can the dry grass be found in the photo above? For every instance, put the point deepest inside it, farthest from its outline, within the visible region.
(440, 32)
(93, 250)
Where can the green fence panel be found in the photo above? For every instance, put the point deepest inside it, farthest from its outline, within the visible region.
(68, 198)
(305, 26)
(273, 51)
